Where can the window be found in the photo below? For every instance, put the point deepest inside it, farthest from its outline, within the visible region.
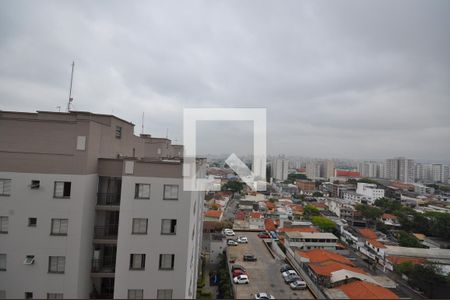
(170, 192)
(28, 295)
(5, 187)
(35, 184)
(55, 295)
(59, 226)
(139, 226)
(166, 261)
(118, 132)
(4, 224)
(164, 294)
(142, 191)
(2, 262)
(29, 260)
(168, 226)
(62, 189)
(135, 294)
(56, 264)
(32, 222)
(137, 261)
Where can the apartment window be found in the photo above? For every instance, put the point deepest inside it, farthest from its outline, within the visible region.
(166, 261)
(5, 187)
(29, 260)
(139, 226)
(137, 261)
(136, 294)
(55, 296)
(59, 226)
(56, 264)
(32, 222)
(118, 132)
(168, 226)
(2, 294)
(164, 294)
(62, 189)
(170, 192)
(4, 224)
(142, 191)
(28, 295)
(2, 262)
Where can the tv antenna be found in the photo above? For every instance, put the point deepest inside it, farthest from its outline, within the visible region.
(142, 125)
(70, 89)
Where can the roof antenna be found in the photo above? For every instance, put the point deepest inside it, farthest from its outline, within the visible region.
(142, 125)
(70, 90)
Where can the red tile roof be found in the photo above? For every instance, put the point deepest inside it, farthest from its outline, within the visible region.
(401, 259)
(365, 290)
(367, 233)
(270, 205)
(388, 216)
(320, 255)
(376, 243)
(255, 215)
(213, 214)
(269, 224)
(328, 267)
(298, 229)
(240, 215)
(345, 173)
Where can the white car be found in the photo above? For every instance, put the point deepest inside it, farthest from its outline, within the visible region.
(231, 242)
(263, 296)
(242, 240)
(289, 273)
(228, 232)
(241, 279)
(298, 285)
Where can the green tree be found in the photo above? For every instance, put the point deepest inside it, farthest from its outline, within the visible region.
(233, 185)
(317, 194)
(404, 268)
(310, 211)
(323, 223)
(406, 239)
(427, 277)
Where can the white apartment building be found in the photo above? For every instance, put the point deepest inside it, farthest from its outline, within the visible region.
(280, 169)
(311, 240)
(400, 168)
(313, 170)
(369, 191)
(89, 210)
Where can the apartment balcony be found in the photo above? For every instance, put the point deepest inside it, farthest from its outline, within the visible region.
(104, 265)
(108, 201)
(106, 234)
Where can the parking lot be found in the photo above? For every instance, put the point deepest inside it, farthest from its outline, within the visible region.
(264, 274)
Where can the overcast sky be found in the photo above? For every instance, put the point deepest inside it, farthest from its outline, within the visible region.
(348, 79)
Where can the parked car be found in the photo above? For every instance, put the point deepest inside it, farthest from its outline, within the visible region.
(264, 296)
(264, 235)
(228, 232)
(285, 268)
(291, 278)
(298, 285)
(250, 257)
(238, 272)
(241, 279)
(237, 267)
(232, 242)
(242, 240)
(288, 273)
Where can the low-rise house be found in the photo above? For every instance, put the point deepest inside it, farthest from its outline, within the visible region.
(390, 220)
(311, 240)
(366, 290)
(256, 221)
(213, 215)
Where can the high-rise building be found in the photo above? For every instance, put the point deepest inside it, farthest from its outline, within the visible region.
(280, 169)
(313, 170)
(368, 169)
(328, 169)
(400, 168)
(89, 210)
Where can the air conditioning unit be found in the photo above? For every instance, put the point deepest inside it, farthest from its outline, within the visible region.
(35, 184)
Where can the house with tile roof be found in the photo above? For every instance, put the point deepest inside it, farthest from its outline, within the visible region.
(366, 290)
(321, 255)
(213, 215)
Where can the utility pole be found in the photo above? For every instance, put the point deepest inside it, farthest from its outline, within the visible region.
(70, 89)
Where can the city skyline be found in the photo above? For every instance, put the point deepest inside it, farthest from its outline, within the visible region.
(331, 75)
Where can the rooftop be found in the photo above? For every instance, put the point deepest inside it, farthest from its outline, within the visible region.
(365, 290)
(320, 255)
(317, 235)
(328, 267)
(367, 233)
(213, 214)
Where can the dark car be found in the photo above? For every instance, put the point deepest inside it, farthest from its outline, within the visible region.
(264, 235)
(291, 278)
(285, 268)
(250, 257)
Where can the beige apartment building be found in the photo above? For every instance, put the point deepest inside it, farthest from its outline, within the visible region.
(90, 210)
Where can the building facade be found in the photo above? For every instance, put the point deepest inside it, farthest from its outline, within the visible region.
(89, 210)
